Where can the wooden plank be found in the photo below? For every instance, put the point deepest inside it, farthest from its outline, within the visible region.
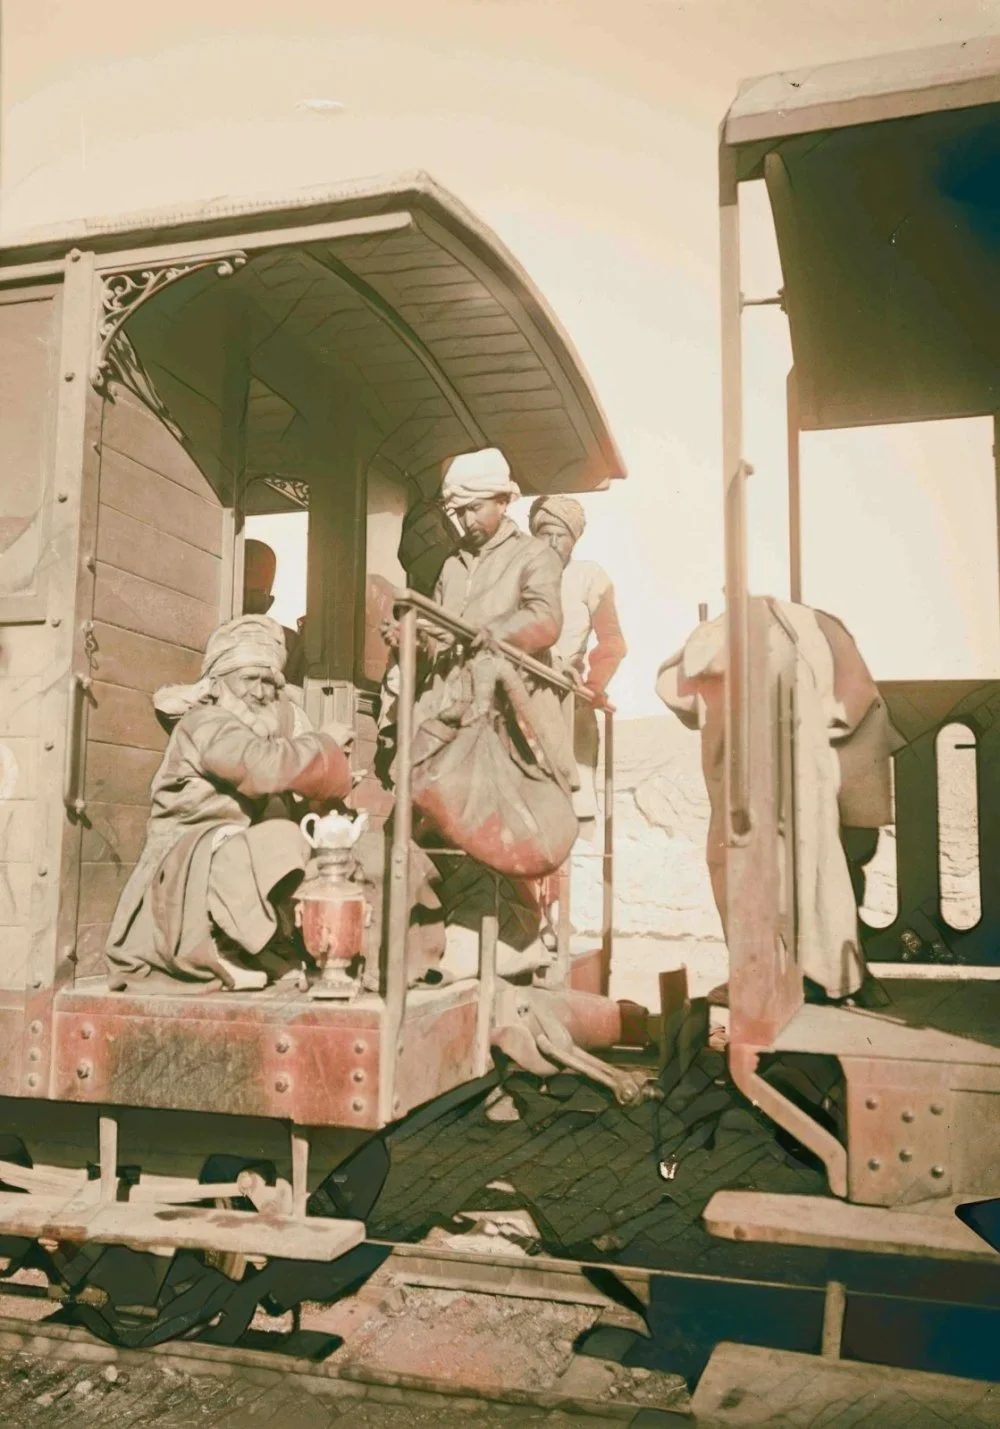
(490, 383)
(502, 404)
(118, 775)
(481, 344)
(19, 768)
(14, 958)
(748, 1385)
(136, 491)
(132, 545)
(101, 885)
(462, 368)
(116, 833)
(119, 715)
(132, 431)
(138, 662)
(144, 1226)
(16, 880)
(18, 827)
(134, 603)
(821, 1220)
(445, 292)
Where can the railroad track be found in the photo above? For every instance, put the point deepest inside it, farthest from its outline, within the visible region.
(481, 1328)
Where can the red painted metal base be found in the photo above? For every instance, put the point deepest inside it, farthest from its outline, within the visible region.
(281, 1055)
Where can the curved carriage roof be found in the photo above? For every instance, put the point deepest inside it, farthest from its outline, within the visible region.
(405, 303)
(884, 182)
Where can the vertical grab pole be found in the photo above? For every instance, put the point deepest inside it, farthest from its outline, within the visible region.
(608, 861)
(399, 872)
(489, 932)
(794, 491)
(564, 932)
(107, 1135)
(735, 472)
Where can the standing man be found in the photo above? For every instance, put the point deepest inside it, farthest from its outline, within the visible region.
(260, 566)
(589, 613)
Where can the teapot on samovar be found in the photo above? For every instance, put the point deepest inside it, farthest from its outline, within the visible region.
(330, 905)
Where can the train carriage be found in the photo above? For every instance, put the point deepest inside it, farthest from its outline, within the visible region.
(164, 377)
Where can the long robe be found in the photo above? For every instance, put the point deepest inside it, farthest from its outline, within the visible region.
(846, 740)
(214, 857)
(512, 587)
(589, 613)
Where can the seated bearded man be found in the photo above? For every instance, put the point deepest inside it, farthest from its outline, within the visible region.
(221, 856)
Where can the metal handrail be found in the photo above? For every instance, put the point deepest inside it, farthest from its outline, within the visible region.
(456, 626)
(413, 605)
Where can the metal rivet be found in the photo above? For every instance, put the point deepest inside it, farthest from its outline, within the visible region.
(937, 1109)
(56, 621)
(35, 1029)
(874, 1164)
(68, 376)
(937, 1172)
(34, 1055)
(43, 871)
(396, 1103)
(357, 1105)
(33, 1080)
(282, 1044)
(871, 1103)
(62, 495)
(281, 1084)
(83, 1070)
(358, 1075)
(86, 1032)
(74, 255)
(50, 744)
(906, 1155)
(908, 1116)
(360, 1047)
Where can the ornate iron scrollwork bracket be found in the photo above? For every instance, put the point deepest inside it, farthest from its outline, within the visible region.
(122, 294)
(297, 491)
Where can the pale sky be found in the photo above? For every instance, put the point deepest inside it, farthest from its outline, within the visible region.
(584, 132)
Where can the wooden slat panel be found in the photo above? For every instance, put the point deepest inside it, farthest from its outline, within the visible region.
(131, 430)
(100, 888)
(15, 893)
(13, 958)
(136, 604)
(117, 775)
(19, 768)
(446, 276)
(116, 833)
(133, 546)
(136, 491)
(141, 663)
(18, 819)
(124, 716)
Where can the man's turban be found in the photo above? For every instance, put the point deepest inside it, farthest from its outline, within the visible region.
(559, 508)
(476, 476)
(251, 642)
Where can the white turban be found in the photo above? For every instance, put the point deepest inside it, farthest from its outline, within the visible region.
(250, 642)
(475, 476)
